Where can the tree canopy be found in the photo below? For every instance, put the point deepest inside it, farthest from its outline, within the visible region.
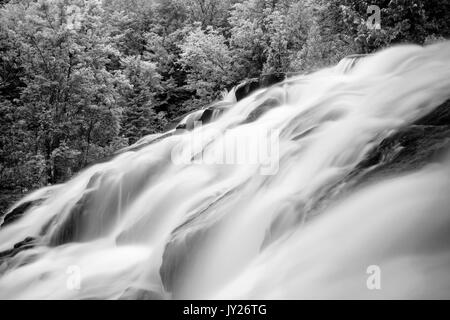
(80, 79)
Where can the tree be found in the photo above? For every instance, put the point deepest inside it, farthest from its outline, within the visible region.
(208, 12)
(140, 118)
(402, 21)
(209, 63)
(266, 34)
(70, 99)
(80, 79)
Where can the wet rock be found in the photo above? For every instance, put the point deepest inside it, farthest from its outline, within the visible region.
(69, 230)
(26, 244)
(245, 89)
(213, 111)
(251, 85)
(179, 252)
(271, 79)
(411, 148)
(19, 211)
(186, 239)
(262, 109)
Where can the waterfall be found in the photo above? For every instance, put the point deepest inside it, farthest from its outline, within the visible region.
(348, 63)
(171, 217)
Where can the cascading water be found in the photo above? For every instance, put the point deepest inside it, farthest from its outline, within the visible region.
(144, 225)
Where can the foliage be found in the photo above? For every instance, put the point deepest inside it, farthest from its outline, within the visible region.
(209, 63)
(80, 79)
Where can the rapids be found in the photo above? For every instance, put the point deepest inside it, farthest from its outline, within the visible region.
(168, 218)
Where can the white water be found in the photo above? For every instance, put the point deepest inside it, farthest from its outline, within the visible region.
(243, 234)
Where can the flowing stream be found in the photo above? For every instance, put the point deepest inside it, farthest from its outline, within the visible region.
(235, 208)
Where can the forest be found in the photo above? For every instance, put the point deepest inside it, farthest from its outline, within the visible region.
(81, 79)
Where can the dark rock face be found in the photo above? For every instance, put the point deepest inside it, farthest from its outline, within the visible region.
(439, 117)
(242, 91)
(184, 241)
(29, 242)
(262, 109)
(271, 79)
(69, 230)
(177, 255)
(251, 85)
(411, 148)
(247, 88)
(5, 256)
(408, 149)
(213, 111)
(18, 212)
(202, 117)
(25, 244)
